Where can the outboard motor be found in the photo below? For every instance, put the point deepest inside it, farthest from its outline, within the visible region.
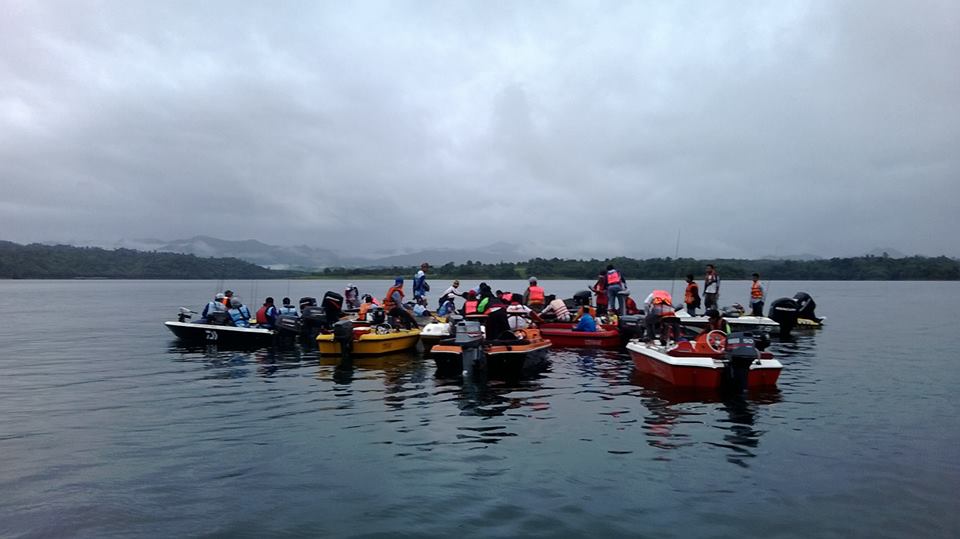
(313, 319)
(806, 306)
(376, 316)
(307, 302)
(785, 312)
(631, 326)
(288, 324)
(740, 352)
(184, 314)
(582, 298)
(732, 311)
(469, 337)
(343, 334)
(333, 305)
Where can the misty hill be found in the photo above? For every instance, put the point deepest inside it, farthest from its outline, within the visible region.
(36, 261)
(305, 257)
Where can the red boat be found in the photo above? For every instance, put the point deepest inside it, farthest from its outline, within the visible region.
(562, 335)
(711, 361)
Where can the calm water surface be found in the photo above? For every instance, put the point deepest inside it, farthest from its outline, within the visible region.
(109, 428)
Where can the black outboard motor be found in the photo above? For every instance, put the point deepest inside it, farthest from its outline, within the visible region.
(288, 325)
(184, 314)
(343, 334)
(807, 307)
(785, 312)
(582, 298)
(333, 305)
(313, 320)
(376, 316)
(740, 352)
(631, 326)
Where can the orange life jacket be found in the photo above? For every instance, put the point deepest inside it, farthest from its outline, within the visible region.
(692, 293)
(613, 277)
(662, 297)
(262, 315)
(756, 291)
(470, 307)
(364, 307)
(535, 295)
(388, 303)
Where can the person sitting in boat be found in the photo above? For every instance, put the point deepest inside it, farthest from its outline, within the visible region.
(583, 311)
(520, 315)
(447, 306)
(586, 321)
(659, 305)
(556, 309)
(239, 313)
(227, 294)
(470, 306)
(368, 303)
(534, 297)
(351, 297)
(715, 321)
(691, 296)
(214, 306)
(288, 309)
(632, 306)
(600, 289)
(420, 286)
(267, 314)
(393, 305)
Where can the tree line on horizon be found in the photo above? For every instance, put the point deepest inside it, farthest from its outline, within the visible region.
(863, 268)
(37, 261)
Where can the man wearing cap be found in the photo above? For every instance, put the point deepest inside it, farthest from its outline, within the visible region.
(420, 286)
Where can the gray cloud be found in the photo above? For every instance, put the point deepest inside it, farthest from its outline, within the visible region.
(574, 128)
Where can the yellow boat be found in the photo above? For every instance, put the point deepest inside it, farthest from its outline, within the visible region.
(371, 341)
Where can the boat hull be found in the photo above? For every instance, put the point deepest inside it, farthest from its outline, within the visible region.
(371, 343)
(697, 371)
(562, 336)
(221, 336)
(740, 323)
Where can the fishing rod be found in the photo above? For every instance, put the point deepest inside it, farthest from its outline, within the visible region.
(676, 254)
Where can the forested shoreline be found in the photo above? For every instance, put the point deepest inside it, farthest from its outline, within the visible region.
(36, 261)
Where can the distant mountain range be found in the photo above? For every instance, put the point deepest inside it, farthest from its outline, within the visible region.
(310, 258)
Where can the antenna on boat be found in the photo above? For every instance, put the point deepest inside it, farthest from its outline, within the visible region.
(676, 254)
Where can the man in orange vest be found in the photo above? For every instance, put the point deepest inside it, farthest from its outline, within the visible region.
(757, 295)
(691, 296)
(534, 296)
(393, 305)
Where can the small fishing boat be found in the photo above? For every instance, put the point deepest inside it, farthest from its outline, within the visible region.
(512, 358)
(468, 352)
(218, 332)
(713, 360)
(562, 335)
(366, 340)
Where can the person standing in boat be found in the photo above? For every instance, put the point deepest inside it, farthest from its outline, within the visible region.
(420, 285)
(600, 289)
(239, 313)
(615, 283)
(393, 305)
(711, 287)
(757, 295)
(659, 305)
(351, 297)
(534, 297)
(267, 314)
(691, 296)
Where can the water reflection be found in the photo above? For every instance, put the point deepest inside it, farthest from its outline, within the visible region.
(675, 412)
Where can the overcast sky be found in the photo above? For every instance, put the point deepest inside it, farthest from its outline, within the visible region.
(583, 128)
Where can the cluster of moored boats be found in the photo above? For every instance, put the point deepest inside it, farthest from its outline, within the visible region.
(689, 354)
